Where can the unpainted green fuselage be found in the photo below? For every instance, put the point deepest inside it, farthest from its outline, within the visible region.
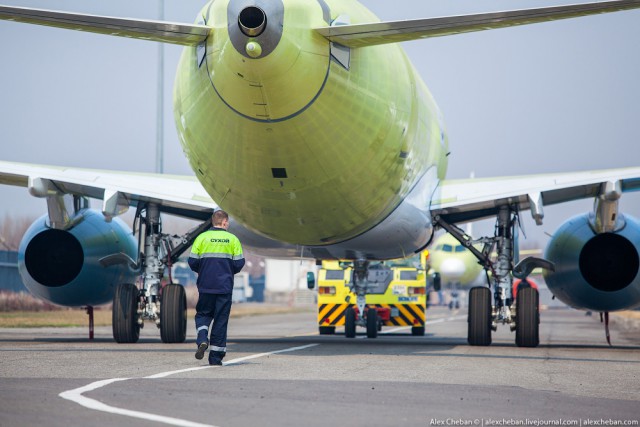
(294, 145)
(456, 264)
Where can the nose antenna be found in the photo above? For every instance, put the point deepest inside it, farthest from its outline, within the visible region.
(252, 21)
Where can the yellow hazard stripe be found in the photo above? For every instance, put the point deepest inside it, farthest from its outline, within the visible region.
(408, 314)
(334, 313)
(418, 311)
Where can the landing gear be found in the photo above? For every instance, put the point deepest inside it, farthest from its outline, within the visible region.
(370, 320)
(522, 316)
(133, 304)
(527, 317)
(173, 314)
(479, 321)
(372, 323)
(126, 328)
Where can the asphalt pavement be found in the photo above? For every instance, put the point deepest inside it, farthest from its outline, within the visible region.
(280, 372)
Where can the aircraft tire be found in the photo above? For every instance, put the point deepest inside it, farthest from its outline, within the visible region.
(372, 323)
(479, 332)
(327, 330)
(527, 317)
(173, 314)
(124, 315)
(350, 323)
(417, 331)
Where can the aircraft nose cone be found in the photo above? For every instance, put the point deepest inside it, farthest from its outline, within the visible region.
(452, 268)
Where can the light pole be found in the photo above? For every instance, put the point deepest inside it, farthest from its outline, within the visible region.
(160, 106)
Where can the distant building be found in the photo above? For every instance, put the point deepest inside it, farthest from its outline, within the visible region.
(10, 279)
(182, 274)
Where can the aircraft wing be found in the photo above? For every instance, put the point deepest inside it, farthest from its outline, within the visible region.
(362, 35)
(160, 31)
(471, 199)
(179, 195)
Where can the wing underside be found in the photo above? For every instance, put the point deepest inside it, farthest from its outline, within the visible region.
(371, 34)
(179, 195)
(160, 31)
(356, 35)
(472, 199)
(455, 200)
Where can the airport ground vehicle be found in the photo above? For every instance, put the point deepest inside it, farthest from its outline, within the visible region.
(396, 297)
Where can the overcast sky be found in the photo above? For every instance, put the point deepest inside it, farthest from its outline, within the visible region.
(553, 97)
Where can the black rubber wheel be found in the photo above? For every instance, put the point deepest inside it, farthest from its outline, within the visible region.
(417, 331)
(372, 323)
(527, 317)
(124, 314)
(350, 323)
(327, 330)
(173, 314)
(479, 320)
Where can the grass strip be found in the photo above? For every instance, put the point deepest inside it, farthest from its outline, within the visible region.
(102, 317)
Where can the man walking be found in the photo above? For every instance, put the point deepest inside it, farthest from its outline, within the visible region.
(216, 255)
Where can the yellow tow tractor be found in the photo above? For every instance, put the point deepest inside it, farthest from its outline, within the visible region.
(396, 296)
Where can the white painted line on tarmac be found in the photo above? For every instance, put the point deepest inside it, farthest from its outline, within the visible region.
(76, 396)
(447, 319)
(390, 331)
(255, 356)
(428, 322)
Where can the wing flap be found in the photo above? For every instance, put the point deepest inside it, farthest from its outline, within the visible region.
(180, 195)
(473, 199)
(362, 35)
(160, 31)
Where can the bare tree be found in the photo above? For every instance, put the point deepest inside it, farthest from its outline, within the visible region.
(12, 229)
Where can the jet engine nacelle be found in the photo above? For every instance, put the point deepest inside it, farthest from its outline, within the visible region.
(598, 272)
(69, 267)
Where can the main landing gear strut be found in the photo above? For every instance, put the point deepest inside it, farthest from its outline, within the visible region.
(149, 299)
(521, 313)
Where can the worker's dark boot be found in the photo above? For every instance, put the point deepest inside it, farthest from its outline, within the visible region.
(203, 344)
(215, 357)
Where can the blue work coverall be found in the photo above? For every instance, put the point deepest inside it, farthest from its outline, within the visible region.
(216, 255)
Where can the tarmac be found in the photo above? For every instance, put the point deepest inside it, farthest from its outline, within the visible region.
(280, 372)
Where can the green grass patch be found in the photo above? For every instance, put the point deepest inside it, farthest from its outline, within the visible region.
(102, 316)
(57, 318)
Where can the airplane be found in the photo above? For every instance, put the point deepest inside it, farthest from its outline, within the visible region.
(456, 267)
(307, 123)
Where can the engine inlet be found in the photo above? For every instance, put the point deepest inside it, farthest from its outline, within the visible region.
(609, 262)
(54, 258)
(252, 21)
